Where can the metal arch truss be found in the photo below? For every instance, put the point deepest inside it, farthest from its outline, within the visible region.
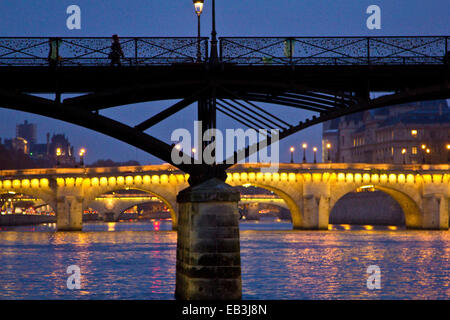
(242, 107)
(327, 106)
(138, 51)
(239, 106)
(299, 51)
(91, 120)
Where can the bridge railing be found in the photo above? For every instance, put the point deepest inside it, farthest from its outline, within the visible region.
(142, 51)
(334, 50)
(138, 51)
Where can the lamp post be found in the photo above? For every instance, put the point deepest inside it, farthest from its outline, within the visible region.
(82, 153)
(423, 147)
(304, 146)
(315, 154)
(404, 155)
(58, 155)
(428, 151)
(214, 53)
(448, 152)
(292, 154)
(198, 6)
(328, 152)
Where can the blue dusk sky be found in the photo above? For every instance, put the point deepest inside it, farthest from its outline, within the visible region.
(177, 18)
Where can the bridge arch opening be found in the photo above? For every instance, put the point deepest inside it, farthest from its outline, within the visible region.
(20, 203)
(121, 202)
(375, 205)
(271, 197)
(153, 209)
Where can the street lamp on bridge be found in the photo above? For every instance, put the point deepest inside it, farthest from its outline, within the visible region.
(448, 152)
(328, 151)
(58, 155)
(423, 147)
(198, 6)
(404, 155)
(304, 146)
(315, 154)
(292, 154)
(82, 153)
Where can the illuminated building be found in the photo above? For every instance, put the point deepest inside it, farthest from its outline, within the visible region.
(379, 136)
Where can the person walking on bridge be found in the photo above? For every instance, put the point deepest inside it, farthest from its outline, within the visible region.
(116, 51)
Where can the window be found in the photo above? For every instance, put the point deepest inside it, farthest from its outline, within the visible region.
(414, 150)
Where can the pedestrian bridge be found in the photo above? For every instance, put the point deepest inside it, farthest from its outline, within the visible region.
(310, 191)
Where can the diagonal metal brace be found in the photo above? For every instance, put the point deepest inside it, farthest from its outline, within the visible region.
(169, 111)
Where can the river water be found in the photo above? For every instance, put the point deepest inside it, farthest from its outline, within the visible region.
(137, 261)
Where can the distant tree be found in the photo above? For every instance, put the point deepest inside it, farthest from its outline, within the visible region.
(130, 163)
(11, 159)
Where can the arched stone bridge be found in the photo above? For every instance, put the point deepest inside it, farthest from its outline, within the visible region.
(309, 190)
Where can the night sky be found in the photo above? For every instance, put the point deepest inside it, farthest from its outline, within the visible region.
(177, 18)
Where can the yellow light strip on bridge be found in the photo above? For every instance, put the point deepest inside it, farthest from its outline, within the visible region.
(128, 198)
(235, 177)
(24, 184)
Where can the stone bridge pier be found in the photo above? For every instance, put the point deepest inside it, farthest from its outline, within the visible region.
(69, 213)
(435, 207)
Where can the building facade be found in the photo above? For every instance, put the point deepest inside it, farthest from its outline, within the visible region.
(27, 131)
(56, 151)
(409, 133)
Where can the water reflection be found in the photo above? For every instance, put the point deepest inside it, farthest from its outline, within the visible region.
(136, 261)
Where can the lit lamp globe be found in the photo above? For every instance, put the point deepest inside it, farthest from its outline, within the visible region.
(198, 6)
